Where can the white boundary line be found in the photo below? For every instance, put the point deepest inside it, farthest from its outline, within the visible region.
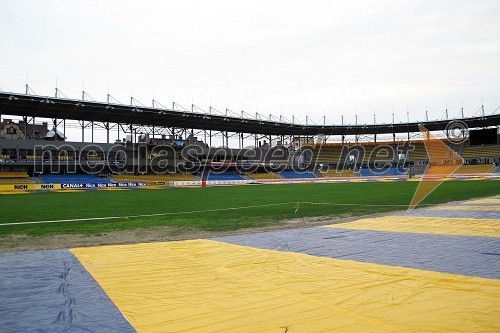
(144, 215)
(297, 203)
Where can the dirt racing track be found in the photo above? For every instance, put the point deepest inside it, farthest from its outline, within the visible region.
(434, 269)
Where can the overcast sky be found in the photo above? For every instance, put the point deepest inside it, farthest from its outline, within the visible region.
(288, 57)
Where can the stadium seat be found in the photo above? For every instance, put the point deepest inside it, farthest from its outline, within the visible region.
(4, 175)
(8, 181)
(485, 168)
(464, 169)
(221, 176)
(16, 177)
(49, 178)
(481, 151)
(263, 175)
(340, 173)
(327, 154)
(296, 174)
(151, 178)
(418, 152)
(366, 172)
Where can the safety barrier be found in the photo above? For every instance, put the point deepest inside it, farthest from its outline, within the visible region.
(102, 185)
(83, 186)
(213, 182)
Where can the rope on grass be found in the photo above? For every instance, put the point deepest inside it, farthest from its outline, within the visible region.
(146, 215)
(359, 204)
(297, 203)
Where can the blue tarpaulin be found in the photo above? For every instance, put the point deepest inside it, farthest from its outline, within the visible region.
(50, 291)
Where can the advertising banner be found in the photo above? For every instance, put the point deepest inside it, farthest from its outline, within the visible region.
(213, 182)
(30, 187)
(52, 187)
(102, 185)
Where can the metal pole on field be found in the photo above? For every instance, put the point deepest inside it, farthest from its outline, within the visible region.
(408, 122)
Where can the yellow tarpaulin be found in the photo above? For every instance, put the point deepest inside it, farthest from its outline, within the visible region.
(427, 225)
(207, 286)
(464, 207)
(484, 201)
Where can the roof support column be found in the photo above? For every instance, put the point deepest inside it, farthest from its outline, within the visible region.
(107, 132)
(25, 120)
(54, 120)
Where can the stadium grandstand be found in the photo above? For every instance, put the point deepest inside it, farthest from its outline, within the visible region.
(249, 166)
(161, 146)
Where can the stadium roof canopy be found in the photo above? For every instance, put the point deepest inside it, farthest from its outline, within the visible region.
(62, 108)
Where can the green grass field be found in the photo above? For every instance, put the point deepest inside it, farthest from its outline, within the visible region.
(183, 201)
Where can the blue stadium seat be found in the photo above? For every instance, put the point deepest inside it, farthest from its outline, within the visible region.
(365, 172)
(297, 174)
(75, 178)
(221, 176)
